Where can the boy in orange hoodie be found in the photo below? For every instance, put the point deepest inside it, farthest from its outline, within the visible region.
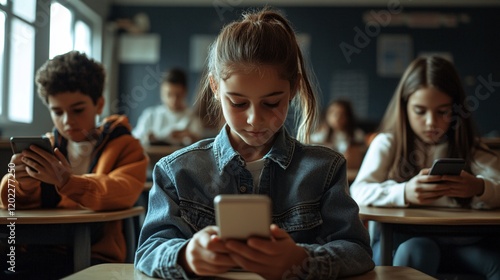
(98, 167)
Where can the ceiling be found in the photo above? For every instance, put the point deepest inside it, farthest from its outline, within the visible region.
(450, 3)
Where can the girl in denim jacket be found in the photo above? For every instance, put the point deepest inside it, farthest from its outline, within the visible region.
(255, 72)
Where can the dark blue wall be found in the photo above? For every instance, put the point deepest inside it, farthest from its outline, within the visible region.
(475, 48)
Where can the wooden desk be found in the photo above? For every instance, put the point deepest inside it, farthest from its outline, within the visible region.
(61, 226)
(392, 272)
(429, 221)
(127, 272)
(492, 143)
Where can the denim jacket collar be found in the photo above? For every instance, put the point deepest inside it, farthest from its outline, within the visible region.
(281, 152)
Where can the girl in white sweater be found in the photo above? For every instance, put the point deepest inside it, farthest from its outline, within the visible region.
(427, 119)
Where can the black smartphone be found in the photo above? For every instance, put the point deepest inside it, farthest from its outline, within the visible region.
(447, 166)
(19, 144)
(243, 216)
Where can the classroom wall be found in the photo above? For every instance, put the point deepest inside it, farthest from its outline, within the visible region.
(474, 45)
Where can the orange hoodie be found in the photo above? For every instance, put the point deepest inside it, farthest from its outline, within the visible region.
(115, 181)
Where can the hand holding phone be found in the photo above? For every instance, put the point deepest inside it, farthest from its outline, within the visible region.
(19, 144)
(447, 166)
(243, 216)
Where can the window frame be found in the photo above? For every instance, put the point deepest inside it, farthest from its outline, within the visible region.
(41, 26)
(9, 18)
(83, 13)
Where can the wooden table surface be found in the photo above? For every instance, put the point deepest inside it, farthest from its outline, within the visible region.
(60, 226)
(65, 216)
(429, 221)
(127, 272)
(430, 216)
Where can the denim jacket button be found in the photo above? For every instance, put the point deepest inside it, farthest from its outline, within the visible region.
(243, 189)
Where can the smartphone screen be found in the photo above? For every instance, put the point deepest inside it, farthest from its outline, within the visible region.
(243, 216)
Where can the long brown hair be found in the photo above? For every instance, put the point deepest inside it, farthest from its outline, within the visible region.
(261, 38)
(461, 136)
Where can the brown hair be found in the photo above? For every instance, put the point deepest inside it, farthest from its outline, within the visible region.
(70, 72)
(175, 76)
(351, 123)
(261, 38)
(462, 137)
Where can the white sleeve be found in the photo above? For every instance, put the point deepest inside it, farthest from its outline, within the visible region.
(487, 167)
(371, 186)
(318, 137)
(359, 136)
(142, 129)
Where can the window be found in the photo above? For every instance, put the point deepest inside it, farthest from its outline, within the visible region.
(68, 31)
(21, 68)
(2, 43)
(25, 9)
(60, 30)
(70, 26)
(83, 37)
(17, 51)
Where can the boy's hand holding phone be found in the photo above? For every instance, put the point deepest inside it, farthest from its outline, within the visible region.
(26, 182)
(47, 167)
(35, 158)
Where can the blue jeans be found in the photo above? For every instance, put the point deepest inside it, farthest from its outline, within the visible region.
(431, 256)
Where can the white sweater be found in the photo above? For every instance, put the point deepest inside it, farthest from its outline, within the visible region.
(372, 187)
(161, 121)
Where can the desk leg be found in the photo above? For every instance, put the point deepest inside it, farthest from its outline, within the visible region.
(81, 248)
(386, 243)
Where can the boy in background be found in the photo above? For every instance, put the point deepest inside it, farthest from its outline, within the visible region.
(171, 123)
(94, 166)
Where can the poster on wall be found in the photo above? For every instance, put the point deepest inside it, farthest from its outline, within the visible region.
(394, 54)
(142, 48)
(199, 45)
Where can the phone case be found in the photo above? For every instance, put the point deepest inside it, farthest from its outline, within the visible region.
(18, 144)
(447, 166)
(243, 216)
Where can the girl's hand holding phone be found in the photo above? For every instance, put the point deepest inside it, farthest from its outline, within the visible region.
(46, 167)
(270, 258)
(423, 189)
(465, 185)
(205, 254)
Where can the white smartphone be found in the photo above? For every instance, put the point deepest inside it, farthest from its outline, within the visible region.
(240, 216)
(18, 144)
(447, 166)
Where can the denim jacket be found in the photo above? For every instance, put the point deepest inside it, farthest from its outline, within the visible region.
(310, 200)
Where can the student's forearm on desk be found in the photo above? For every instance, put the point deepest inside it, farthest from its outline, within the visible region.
(26, 195)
